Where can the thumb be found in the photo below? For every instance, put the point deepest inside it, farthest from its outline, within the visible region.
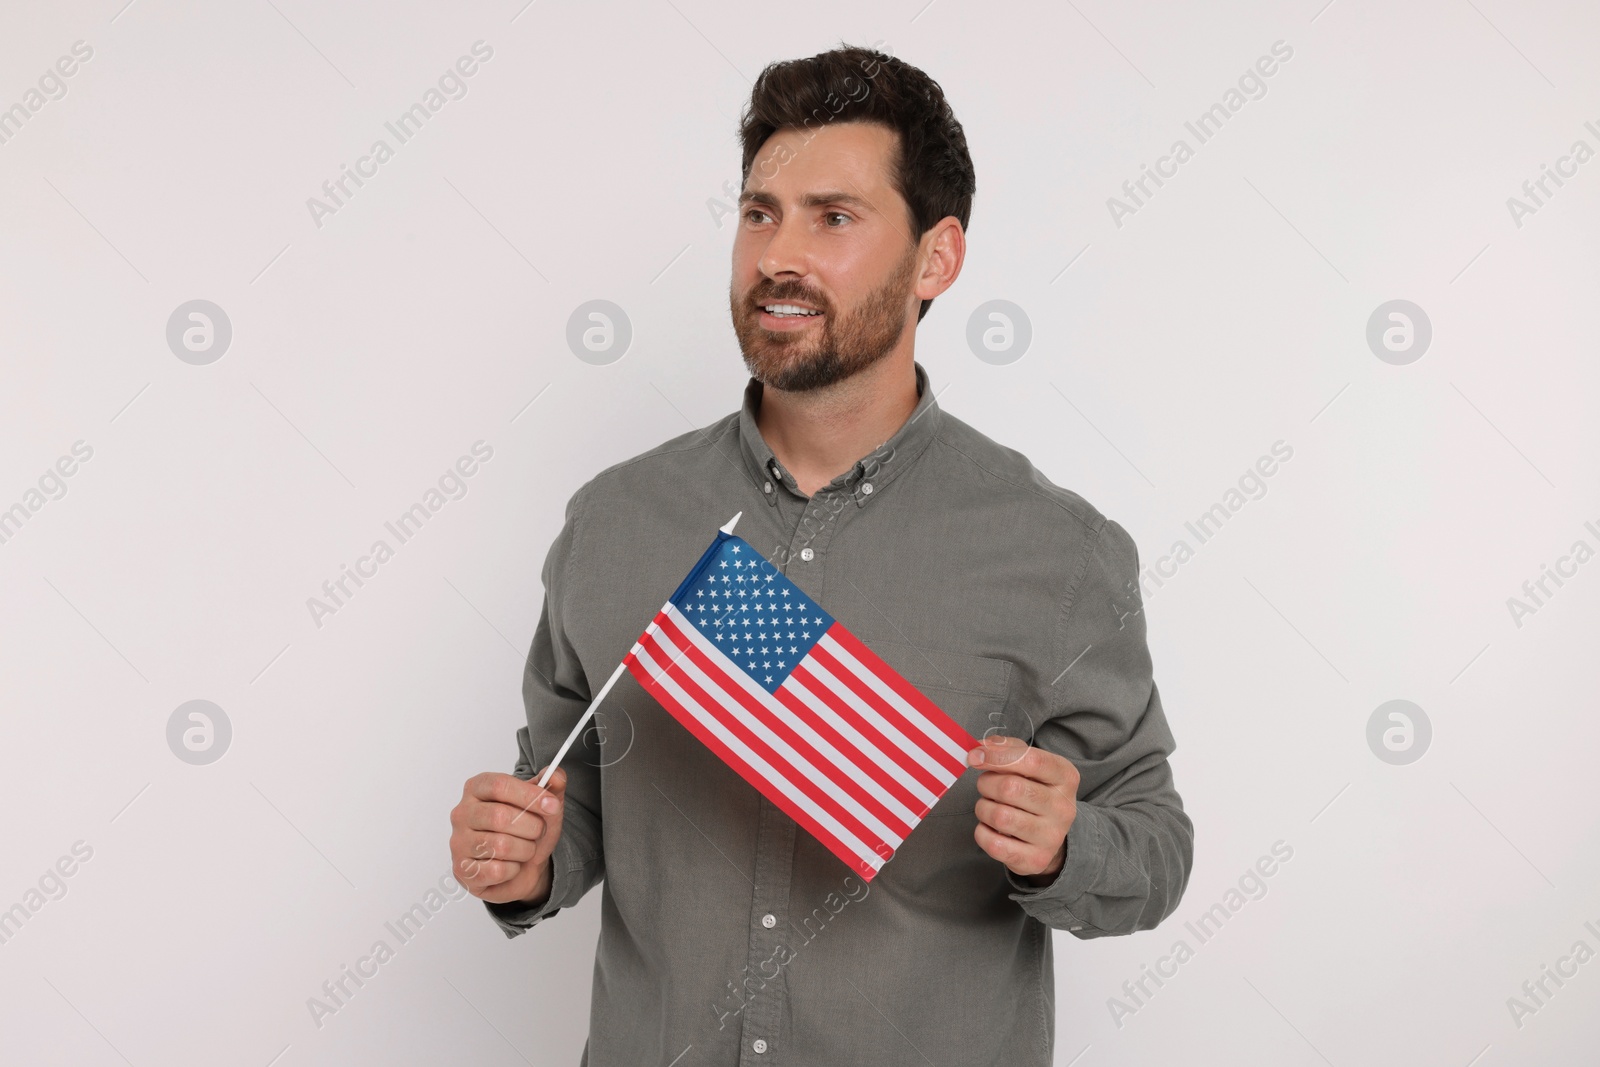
(550, 805)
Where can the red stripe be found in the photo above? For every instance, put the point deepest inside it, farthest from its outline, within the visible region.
(908, 692)
(885, 781)
(914, 736)
(777, 761)
(803, 676)
(835, 774)
(749, 774)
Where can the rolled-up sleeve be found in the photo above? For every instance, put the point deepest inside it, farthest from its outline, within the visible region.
(555, 694)
(1131, 846)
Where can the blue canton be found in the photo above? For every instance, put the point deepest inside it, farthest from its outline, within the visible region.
(746, 608)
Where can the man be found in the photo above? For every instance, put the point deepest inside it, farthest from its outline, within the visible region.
(728, 934)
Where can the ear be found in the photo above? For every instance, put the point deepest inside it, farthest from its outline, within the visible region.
(941, 252)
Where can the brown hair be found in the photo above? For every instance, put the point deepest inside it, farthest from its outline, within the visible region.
(931, 171)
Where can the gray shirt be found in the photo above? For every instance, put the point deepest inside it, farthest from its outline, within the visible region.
(728, 935)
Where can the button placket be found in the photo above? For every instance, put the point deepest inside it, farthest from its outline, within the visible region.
(775, 840)
(813, 533)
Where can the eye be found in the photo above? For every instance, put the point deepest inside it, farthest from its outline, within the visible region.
(754, 211)
(836, 214)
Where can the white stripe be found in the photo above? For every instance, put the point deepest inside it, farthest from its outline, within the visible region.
(815, 778)
(895, 735)
(780, 711)
(759, 765)
(878, 756)
(894, 699)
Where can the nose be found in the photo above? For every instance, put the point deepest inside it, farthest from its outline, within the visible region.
(786, 251)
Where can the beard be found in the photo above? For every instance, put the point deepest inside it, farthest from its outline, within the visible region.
(814, 359)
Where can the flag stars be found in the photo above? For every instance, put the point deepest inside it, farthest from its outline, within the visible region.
(766, 642)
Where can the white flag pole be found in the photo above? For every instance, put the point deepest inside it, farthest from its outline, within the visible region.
(595, 703)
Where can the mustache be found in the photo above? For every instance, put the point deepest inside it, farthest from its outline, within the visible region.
(790, 296)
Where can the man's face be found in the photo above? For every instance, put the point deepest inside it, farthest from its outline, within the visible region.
(821, 227)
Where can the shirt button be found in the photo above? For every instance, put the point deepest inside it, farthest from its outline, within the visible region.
(759, 1045)
(866, 487)
(766, 487)
(806, 554)
(769, 921)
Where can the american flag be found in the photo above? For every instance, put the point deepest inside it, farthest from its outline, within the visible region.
(798, 706)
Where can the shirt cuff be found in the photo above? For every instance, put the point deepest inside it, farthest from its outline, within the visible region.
(1086, 856)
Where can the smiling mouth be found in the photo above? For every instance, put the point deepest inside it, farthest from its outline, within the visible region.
(790, 311)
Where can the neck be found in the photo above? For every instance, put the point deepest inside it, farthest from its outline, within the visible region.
(819, 435)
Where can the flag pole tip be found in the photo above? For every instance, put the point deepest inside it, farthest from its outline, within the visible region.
(728, 529)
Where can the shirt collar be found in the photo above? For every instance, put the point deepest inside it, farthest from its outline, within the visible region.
(869, 474)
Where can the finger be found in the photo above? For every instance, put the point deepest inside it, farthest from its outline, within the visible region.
(483, 846)
(1022, 826)
(1020, 856)
(509, 789)
(1013, 755)
(1029, 794)
(505, 819)
(479, 875)
(995, 751)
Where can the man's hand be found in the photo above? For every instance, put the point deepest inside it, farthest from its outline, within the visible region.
(502, 834)
(1029, 799)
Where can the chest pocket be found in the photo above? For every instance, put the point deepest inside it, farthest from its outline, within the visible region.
(972, 690)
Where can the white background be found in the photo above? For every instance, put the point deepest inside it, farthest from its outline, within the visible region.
(371, 351)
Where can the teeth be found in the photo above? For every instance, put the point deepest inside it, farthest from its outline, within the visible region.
(789, 309)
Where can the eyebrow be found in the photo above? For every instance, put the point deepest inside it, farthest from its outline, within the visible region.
(809, 200)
